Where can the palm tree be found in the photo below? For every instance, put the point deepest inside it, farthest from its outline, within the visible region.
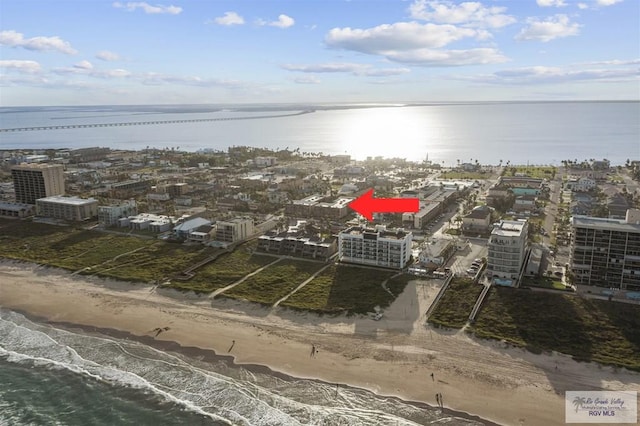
(578, 401)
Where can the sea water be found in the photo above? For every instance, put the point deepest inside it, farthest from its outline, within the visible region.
(519, 132)
(54, 376)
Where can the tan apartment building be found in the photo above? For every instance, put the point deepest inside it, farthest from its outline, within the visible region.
(33, 181)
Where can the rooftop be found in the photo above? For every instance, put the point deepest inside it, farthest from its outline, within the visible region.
(509, 228)
(621, 225)
(73, 201)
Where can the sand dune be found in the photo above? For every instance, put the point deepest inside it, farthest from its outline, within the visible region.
(393, 356)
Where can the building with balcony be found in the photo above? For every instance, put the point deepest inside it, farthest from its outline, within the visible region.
(34, 181)
(234, 230)
(606, 252)
(375, 246)
(507, 249)
(67, 208)
(109, 215)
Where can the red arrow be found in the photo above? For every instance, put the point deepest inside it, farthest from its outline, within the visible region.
(366, 205)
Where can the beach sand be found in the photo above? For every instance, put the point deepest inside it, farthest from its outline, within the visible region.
(394, 356)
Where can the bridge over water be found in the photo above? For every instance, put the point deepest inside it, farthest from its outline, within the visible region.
(148, 123)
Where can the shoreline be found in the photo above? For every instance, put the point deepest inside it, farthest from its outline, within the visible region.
(209, 356)
(392, 358)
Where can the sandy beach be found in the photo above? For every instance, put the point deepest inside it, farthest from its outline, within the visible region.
(395, 356)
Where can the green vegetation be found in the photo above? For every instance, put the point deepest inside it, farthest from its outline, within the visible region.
(588, 329)
(544, 282)
(461, 175)
(96, 253)
(348, 289)
(226, 269)
(274, 282)
(541, 172)
(456, 303)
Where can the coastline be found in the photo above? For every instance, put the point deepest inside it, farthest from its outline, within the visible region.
(209, 356)
(509, 386)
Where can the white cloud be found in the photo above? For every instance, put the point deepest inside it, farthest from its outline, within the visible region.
(551, 3)
(346, 67)
(324, 68)
(554, 75)
(607, 2)
(470, 13)
(553, 27)
(229, 18)
(398, 36)
(105, 55)
(84, 65)
(147, 8)
(29, 67)
(15, 39)
(307, 79)
(86, 68)
(157, 79)
(449, 58)
(616, 62)
(385, 72)
(415, 43)
(583, 6)
(283, 21)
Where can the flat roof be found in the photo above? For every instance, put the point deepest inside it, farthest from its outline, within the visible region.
(14, 206)
(579, 221)
(72, 201)
(509, 228)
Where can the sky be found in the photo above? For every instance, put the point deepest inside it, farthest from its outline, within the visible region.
(90, 52)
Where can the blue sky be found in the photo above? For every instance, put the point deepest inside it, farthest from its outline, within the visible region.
(177, 51)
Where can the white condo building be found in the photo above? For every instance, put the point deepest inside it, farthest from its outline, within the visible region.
(606, 252)
(507, 249)
(375, 247)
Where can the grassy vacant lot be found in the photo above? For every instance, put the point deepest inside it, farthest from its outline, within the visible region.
(274, 282)
(541, 172)
(225, 270)
(588, 329)
(93, 252)
(460, 175)
(456, 303)
(348, 289)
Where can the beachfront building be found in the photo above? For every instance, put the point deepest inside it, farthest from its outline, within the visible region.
(234, 230)
(606, 252)
(67, 208)
(109, 215)
(147, 222)
(375, 246)
(16, 210)
(507, 249)
(33, 181)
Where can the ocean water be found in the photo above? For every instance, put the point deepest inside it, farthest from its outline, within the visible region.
(51, 376)
(519, 132)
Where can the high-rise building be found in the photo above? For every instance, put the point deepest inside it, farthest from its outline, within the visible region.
(375, 247)
(507, 249)
(33, 181)
(606, 252)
